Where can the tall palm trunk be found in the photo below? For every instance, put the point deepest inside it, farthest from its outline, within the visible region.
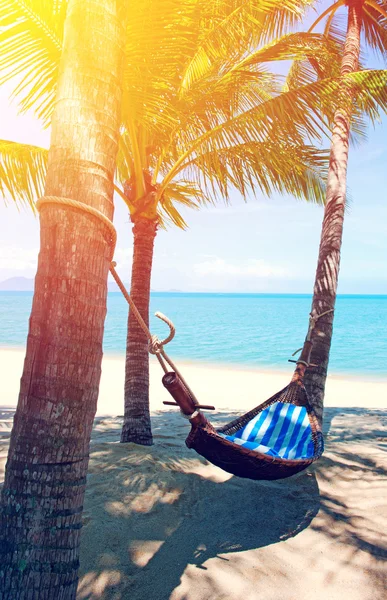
(41, 503)
(137, 427)
(325, 287)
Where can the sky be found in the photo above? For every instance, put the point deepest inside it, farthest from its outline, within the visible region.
(259, 246)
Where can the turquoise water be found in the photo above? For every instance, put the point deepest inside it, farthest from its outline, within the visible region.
(259, 330)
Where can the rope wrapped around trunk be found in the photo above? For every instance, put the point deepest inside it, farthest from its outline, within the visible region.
(156, 346)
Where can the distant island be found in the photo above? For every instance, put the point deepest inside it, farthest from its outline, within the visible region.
(17, 284)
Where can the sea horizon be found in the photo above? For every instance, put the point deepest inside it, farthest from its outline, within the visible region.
(239, 330)
(217, 293)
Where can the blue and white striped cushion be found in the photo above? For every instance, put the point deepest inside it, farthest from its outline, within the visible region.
(282, 430)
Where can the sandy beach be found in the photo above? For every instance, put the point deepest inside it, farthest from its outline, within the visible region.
(226, 387)
(161, 523)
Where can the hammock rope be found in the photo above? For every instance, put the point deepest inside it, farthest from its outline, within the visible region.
(156, 346)
(313, 318)
(83, 208)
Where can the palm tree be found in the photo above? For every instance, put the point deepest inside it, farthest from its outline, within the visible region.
(42, 497)
(217, 133)
(368, 17)
(227, 122)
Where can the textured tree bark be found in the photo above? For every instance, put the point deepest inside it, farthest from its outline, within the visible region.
(42, 498)
(325, 287)
(137, 426)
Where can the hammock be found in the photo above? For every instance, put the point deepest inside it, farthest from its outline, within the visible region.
(275, 440)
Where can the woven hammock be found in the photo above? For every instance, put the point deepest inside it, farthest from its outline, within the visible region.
(275, 440)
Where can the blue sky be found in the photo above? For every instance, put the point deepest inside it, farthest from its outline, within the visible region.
(261, 246)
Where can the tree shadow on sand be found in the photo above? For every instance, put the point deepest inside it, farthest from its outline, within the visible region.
(154, 514)
(164, 508)
(355, 457)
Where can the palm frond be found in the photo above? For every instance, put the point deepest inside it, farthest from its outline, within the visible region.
(321, 62)
(160, 38)
(247, 83)
(294, 115)
(375, 25)
(240, 27)
(295, 46)
(286, 168)
(291, 115)
(31, 45)
(370, 92)
(22, 172)
(180, 193)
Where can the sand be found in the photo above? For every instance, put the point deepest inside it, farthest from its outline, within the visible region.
(161, 523)
(223, 386)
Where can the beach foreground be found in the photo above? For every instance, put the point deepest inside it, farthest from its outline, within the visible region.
(161, 523)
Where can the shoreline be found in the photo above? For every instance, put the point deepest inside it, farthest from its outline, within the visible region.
(214, 293)
(241, 367)
(224, 386)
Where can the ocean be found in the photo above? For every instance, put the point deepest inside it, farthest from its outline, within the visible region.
(248, 330)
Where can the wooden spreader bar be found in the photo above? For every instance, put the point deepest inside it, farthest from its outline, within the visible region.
(201, 406)
(183, 398)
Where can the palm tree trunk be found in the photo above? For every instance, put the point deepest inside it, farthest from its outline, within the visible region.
(42, 498)
(325, 287)
(137, 426)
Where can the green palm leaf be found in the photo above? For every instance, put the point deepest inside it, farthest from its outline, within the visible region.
(283, 168)
(22, 172)
(236, 29)
(181, 193)
(292, 115)
(375, 26)
(31, 44)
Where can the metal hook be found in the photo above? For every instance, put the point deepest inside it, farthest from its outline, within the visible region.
(297, 351)
(171, 326)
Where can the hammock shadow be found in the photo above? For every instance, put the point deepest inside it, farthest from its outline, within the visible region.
(167, 510)
(234, 516)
